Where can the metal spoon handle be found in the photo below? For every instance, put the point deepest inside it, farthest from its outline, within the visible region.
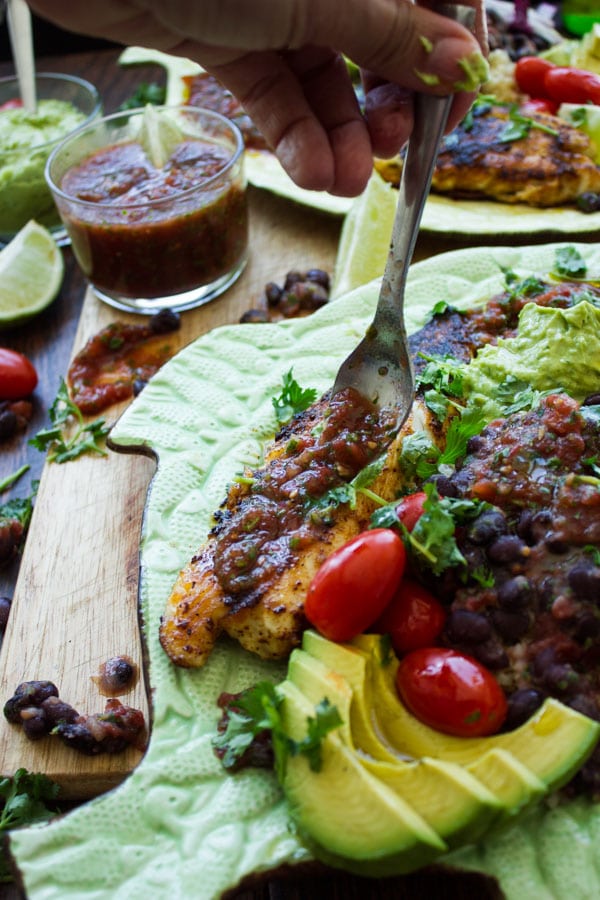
(430, 118)
(21, 41)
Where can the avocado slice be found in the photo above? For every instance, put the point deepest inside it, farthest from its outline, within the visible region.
(553, 744)
(516, 785)
(453, 801)
(351, 665)
(347, 816)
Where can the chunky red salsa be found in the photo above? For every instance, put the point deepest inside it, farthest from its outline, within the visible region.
(106, 369)
(185, 239)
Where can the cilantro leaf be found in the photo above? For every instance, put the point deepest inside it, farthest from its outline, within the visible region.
(248, 715)
(86, 437)
(24, 799)
(519, 126)
(293, 399)
(348, 493)
(443, 374)
(145, 93)
(568, 262)
(326, 718)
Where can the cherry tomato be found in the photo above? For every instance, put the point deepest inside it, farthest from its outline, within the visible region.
(451, 692)
(11, 104)
(410, 509)
(18, 377)
(539, 105)
(568, 85)
(355, 584)
(414, 618)
(530, 75)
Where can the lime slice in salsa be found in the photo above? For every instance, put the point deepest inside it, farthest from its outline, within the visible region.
(159, 135)
(31, 273)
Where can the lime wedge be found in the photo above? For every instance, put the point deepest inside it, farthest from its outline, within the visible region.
(586, 117)
(365, 238)
(31, 273)
(159, 134)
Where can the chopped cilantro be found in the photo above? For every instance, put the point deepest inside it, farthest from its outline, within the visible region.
(443, 374)
(519, 126)
(326, 718)
(85, 438)
(522, 287)
(293, 399)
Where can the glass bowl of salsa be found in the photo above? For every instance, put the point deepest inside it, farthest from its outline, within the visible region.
(154, 202)
(64, 103)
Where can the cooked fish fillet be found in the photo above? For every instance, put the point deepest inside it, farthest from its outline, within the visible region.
(267, 618)
(550, 165)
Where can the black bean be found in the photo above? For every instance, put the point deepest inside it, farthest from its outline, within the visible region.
(490, 653)
(289, 304)
(510, 625)
(138, 386)
(466, 627)
(28, 693)
(584, 581)
(292, 278)
(521, 706)
(591, 400)
(540, 525)
(586, 625)
(514, 594)
(319, 276)
(488, 526)
(118, 672)
(56, 711)
(4, 613)
(254, 315)
(164, 321)
(588, 202)
(524, 526)
(34, 722)
(507, 548)
(78, 737)
(475, 444)
(561, 679)
(444, 485)
(311, 295)
(273, 293)
(8, 423)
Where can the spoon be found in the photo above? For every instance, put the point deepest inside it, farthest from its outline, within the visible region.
(21, 41)
(380, 368)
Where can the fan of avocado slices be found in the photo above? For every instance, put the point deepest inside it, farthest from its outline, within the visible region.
(181, 823)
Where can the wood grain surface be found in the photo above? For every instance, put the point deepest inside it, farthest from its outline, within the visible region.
(75, 590)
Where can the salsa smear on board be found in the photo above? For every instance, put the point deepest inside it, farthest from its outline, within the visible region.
(148, 231)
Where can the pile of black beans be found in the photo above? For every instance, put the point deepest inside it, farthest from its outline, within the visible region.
(38, 709)
(301, 294)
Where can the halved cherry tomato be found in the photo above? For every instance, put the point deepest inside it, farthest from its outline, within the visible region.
(568, 85)
(530, 75)
(451, 692)
(410, 509)
(355, 584)
(539, 105)
(413, 618)
(18, 377)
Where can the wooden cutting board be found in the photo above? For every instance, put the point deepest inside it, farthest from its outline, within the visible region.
(76, 599)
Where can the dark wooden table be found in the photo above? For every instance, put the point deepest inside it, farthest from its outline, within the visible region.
(48, 341)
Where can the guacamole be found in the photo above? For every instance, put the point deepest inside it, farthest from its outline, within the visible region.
(25, 143)
(553, 349)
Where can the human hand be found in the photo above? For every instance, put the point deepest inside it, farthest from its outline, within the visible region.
(283, 60)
